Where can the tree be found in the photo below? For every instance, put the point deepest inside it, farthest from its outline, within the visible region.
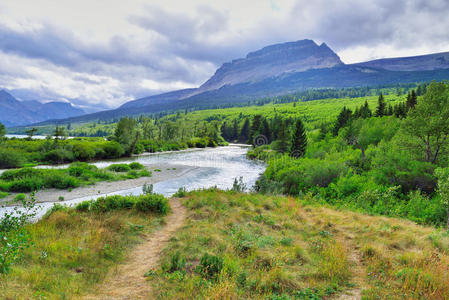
(2, 130)
(429, 121)
(244, 133)
(59, 133)
(381, 106)
(365, 111)
(283, 138)
(412, 99)
(126, 133)
(299, 140)
(255, 125)
(31, 132)
(265, 130)
(342, 119)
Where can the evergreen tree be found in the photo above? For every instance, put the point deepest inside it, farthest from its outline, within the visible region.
(299, 141)
(342, 120)
(381, 105)
(389, 110)
(235, 130)
(283, 138)
(2, 131)
(412, 100)
(365, 111)
(265, 130)
(255, 125)
(244, 133)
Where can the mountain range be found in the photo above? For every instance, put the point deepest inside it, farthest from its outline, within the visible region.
(14, 112)
(281, 69)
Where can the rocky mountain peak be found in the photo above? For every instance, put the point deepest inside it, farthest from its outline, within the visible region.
(272, 61)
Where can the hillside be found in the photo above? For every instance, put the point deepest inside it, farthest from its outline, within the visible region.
(14, 112)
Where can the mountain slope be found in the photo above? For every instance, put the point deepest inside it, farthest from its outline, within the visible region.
(429, 62)
(14, 112)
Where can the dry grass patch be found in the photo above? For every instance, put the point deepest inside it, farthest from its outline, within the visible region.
(279, 248)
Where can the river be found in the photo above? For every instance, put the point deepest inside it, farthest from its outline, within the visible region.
(214, 167)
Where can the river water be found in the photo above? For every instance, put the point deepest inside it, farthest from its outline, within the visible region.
(215, 167)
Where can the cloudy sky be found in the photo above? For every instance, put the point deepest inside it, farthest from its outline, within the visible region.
(102, 53)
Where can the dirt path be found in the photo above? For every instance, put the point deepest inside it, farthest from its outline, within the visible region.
(357, 269)
(128, 282)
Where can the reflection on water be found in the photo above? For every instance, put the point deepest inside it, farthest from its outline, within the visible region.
(216, 167)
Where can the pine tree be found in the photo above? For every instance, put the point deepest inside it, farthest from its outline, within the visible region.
(283, 138)
(412, 100)
(254, 131)
(389, 110)
(265, 130)
(380, 111)
(235, 130)
(342, 120)
(244, 133)
(299, 141)
(365, 111)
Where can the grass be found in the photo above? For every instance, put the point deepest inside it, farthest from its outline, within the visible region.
(73, 249)
(273, 247)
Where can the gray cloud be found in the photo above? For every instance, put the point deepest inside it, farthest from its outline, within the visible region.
(167, 48)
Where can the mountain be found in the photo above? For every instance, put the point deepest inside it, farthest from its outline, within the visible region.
(437, 61)
(15, 113)
(278, 70)
(273, 61)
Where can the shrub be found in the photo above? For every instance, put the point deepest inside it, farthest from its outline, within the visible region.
(210, 266)
(83, 151)
(19, 197)
(182, 192)
(119, 168)
(113, 150)
(105, 204)
(26, 185)
(136, 166)
(83, 206)
(58, 156)
(153, 203)
(10, 159)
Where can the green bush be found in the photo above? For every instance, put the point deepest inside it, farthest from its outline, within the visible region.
(136, 166)
(83, 151)
(10, 159)
(58, 156)
(119, 168)
(153, 203)
(25, 185)
(113, 150)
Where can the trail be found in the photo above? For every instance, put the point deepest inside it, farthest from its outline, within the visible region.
(358, 272)
(128, 282)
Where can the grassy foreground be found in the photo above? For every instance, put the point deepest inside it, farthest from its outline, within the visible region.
(234, 246)
(239, 246)
(72, 249)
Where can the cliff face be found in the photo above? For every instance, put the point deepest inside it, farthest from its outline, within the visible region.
(272, 61)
